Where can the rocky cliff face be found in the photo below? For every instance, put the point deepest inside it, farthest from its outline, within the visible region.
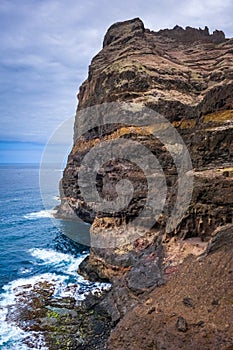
(185, 75)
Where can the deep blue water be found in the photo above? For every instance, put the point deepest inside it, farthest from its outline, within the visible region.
(24, 225)
(33, 246)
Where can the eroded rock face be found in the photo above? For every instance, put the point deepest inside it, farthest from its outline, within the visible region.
(186, 76)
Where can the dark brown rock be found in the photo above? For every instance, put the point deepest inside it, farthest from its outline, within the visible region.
(146, 273)
(181, 324)
(190, 86)
(190, 34)
(188, 302)
(122, 32)
(222, 236)
(186, 76)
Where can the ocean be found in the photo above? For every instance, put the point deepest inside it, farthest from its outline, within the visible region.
(34, 246)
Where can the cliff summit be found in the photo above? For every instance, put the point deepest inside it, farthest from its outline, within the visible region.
(185, 77)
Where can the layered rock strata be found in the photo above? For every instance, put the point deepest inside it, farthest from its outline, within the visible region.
(186, 76)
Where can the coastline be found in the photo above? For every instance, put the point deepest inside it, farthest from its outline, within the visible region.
(167, 285)
(153, 303)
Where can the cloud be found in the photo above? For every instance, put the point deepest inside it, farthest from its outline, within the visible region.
(47, 45)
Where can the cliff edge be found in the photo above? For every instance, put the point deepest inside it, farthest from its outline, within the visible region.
(185, 76)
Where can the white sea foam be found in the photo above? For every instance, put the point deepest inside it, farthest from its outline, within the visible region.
(40, 214)
(65, 263)
(65, 266)
(24, 270)
(11, 336)
(28, 284)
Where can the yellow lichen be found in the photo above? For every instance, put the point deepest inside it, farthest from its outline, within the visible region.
(185, 124)
(219, 116)
(230, 169)
(195, 75)
(124, 65)
(125, 130)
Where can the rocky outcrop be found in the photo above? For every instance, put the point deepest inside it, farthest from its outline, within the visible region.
(53, 322)
(185, 76)
(190, 34)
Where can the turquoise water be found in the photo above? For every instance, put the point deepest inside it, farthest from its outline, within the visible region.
(33, 246)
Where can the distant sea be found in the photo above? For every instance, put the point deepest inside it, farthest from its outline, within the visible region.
(33, 247)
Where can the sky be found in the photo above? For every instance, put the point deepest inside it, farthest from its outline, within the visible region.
(47, 45)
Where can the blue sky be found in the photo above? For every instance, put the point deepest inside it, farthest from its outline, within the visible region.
(47, 45)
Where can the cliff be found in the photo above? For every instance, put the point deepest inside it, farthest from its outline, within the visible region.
(175, 87)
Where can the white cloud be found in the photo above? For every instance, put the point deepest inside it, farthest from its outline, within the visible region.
(47, 45)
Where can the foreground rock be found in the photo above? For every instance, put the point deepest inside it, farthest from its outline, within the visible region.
(52, 322)
(190, 308)
(192, 311)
